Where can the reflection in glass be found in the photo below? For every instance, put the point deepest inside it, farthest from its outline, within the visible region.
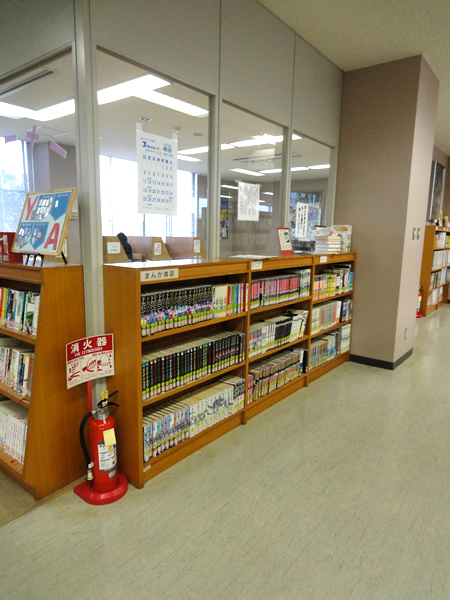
(131, 99)
(250, 207)
(37, 140)
(310, 166)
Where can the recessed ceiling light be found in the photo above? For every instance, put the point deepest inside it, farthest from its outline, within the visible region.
(245, 172)
(267, 171)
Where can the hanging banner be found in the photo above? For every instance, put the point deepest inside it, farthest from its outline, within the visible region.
(157, 174)
(248, 201)
(301, 221)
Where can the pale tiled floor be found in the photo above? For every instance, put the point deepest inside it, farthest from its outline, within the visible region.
(339, 492)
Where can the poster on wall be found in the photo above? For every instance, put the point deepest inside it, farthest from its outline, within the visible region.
(248, 201)
(301, 221)
(157, 174)
(314, 204)
(43, 223)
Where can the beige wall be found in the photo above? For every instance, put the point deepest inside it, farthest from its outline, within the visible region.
(385, 151)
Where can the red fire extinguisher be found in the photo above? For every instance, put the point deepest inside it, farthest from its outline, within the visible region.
(104, 483)
(419, 302)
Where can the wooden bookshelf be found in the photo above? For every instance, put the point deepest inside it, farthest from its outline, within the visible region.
(53, 457)
(123, 285)
(433, 274)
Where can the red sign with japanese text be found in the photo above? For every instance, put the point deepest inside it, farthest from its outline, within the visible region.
(89, 358)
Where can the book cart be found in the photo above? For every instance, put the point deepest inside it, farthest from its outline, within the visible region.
(123, 286)
(434, 280)
(52, 454)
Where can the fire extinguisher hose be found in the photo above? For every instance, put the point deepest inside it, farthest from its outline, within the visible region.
(83, 441)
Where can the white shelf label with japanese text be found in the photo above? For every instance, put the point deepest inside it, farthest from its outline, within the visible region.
(159, 274)
(89, 358)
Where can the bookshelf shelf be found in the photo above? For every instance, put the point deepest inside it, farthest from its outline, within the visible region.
(52, 455)
(434, 274)
(187, 328)
(329, 329)
(123, 319)
(192, 384)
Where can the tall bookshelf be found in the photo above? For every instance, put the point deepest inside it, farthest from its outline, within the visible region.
(52, 455)
(123, 286)
(434, 278)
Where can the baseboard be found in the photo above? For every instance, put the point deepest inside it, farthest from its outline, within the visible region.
(381, 364)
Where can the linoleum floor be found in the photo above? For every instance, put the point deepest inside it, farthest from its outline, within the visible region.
(341, 491)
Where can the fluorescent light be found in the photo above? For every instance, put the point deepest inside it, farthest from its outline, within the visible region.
(56, 111)
(141, 87)
(267, 171)
(319, 167)
(230, 187)
(15, 112)
(231, 197)
(262, 201)
(268, 193)
(253, 173)
(134, 87)
(203, 149)
(300, 169)
(199, 150)
(260, 140)
(188, 158)
(173, 103)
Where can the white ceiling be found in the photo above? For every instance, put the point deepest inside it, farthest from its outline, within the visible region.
(358, 33)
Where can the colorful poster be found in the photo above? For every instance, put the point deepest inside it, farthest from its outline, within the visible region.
(248, 201)
(89, 358)
(43, 222)
(157, 174)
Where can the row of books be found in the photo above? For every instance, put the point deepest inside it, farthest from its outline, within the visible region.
(435, 296)
(266, 291)
(276, 331)
(16, 365)
(327, 347)
(441, 258)
(174, 366)
(177, 307)
(13, 428)
(334, 280)
(439, 278)
(331, 313)
(19, 310)
(268, 375)
(441, 240)
(172, 423)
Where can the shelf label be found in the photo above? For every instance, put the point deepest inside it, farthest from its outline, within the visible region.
(158, 275)
(113, 247)
(323, 259)
(89, 358)
(256, 264)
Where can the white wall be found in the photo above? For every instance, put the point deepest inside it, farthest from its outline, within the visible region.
(32, 29)
(178, 38)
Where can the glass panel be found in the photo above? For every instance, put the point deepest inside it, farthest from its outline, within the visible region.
(37, 143)
(310, 168)
(250, 207)
(131, 99)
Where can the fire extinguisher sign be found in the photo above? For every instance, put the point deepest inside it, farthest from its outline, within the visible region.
(89, 358)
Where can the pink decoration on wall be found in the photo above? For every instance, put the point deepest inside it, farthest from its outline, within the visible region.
(56, 148)
(33, 137)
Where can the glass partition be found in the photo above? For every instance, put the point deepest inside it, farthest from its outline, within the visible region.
(310, 168)
(250, 207)
(153, 136)
(37, 140)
